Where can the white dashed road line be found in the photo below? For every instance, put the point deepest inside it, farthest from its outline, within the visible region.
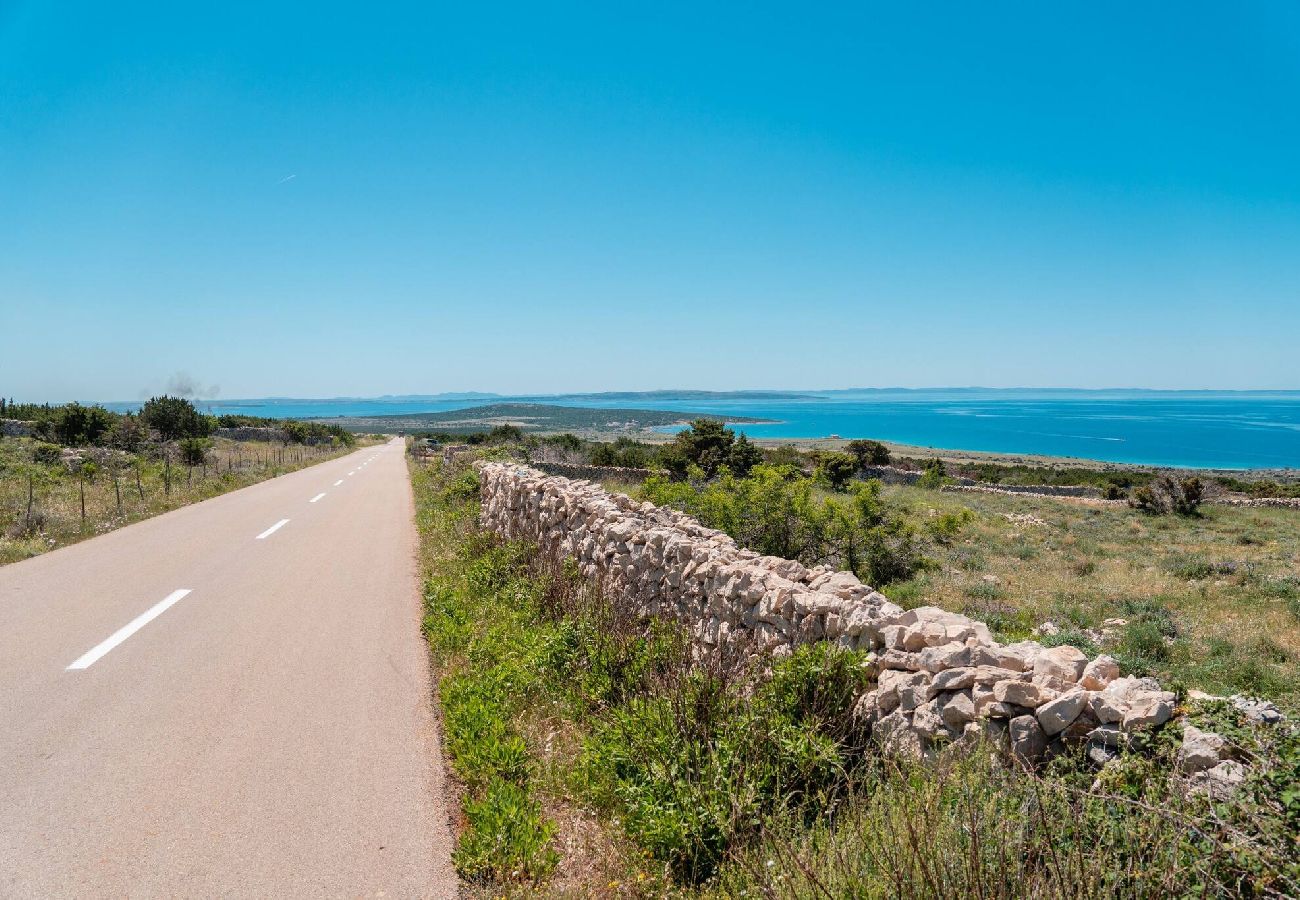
(91, 656)
(337, 483)
(317, 497)
(272, 530)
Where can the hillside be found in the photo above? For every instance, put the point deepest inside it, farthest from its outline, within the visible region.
(536, 417)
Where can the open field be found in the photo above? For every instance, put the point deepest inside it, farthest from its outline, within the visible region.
(532, 417)
(597, 756)
(49, 505)
(1209, 602)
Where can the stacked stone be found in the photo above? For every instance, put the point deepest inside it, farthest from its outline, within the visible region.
(576, 470)
(940, 677)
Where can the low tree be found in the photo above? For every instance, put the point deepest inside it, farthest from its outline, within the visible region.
(868, 453)
(570, 443)
(705, 443)
(128, 433)
(506, 434)
(175, 418)
(74, 425)
(837, 469)
(744, 455)
(623, 453)
(786, 455)
(194, 451)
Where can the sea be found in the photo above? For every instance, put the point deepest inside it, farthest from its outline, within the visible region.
(1197, 429)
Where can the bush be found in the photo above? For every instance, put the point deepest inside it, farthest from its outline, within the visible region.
(1166, 495)
(776, 511)
(935, 475)
(47, 454)
(75, 425)
(194, 451)
(623, 453)
(868, 453)
(707, 444)
(696, 765)
(836, 469)
(175, 418)
(128, 433)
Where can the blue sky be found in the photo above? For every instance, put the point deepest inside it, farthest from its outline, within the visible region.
(325, 199)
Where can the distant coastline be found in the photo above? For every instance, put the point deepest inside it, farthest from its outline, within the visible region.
(1203, 429)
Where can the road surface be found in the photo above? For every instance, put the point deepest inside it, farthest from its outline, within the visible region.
(229, 699)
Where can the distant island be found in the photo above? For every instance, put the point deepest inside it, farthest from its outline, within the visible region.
(534, 417)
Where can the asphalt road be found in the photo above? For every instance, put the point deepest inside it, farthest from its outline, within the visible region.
(269, 733)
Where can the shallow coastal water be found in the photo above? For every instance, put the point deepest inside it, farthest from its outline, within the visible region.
(1201, 429)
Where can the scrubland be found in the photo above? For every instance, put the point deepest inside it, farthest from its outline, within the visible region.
(597, 756)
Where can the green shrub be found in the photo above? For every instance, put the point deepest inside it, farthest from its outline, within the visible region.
(777, 511)
(935, 475)
(74, 425)
(194, 451)
(47, 454)
(175, 418)
(506, 837)
(836, 469)
(868, 453)
(696, 767)
(1167, 494)
(707, 444)
(1195, 568)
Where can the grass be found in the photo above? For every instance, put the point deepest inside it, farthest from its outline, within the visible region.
(142, 488)
(597, 756)
(1210, 602)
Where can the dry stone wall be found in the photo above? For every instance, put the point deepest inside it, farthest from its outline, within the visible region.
(601, 473)
(940, 678)
(252, 433)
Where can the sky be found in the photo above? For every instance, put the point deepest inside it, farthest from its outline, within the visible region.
(359, 199)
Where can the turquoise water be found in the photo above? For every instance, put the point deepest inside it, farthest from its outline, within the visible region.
(1199, 429)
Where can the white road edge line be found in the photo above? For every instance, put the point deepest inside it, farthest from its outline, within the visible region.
(92, 656)
(272, 530)
(317, 497)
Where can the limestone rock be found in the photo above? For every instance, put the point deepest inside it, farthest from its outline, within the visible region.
(1022, 693)
(1027, 739)
(1219, 782)
(1260, 711)
(1147, 709)
(1065, 662)
(956, 708)
(954, 679)
(927, 722)
(895, 735)
(913, 691)
(1055, 715)
(1200, 750)
(1099, 673)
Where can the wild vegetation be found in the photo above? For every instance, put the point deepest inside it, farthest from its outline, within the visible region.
(86, 470)
(599, 756)
(531, 417)
(778, 511)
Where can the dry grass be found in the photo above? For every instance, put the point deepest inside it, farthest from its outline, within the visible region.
(1220, 585)
(142, 488)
